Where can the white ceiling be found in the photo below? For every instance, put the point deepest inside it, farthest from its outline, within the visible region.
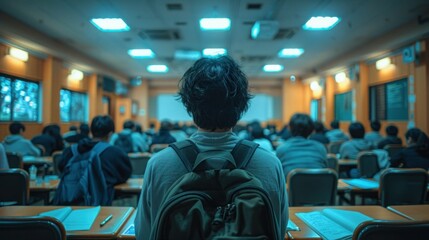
(363, 23)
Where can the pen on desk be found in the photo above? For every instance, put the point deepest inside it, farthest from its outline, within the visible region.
(106, 220)
(400, 213)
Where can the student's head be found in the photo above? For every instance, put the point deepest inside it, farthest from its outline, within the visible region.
(16, 128)
(129, 125)
(166, 125)
(139, 128)
(392, 130)
(72, 128)
(335, 124)
(215, 93)
(375, 125)
(319, 127)
(418, 138)
(102, 126)
(301, 125)
(257, 132)
(413, 134)
(357, 130)
(84, 129)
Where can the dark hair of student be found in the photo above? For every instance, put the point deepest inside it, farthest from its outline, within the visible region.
(214, 92)
(319, 127)
(101, 126)
(419, 138)
(84, 129)
(139, 128)
(357, 130)
(129, 124)
(301, 125)
(257, 132)
(375, 125)
(15, 128)
(335, 124)
(392, 130)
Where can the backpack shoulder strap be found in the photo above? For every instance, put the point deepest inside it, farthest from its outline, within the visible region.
(187, 152)
(243, 152)
(100, 147)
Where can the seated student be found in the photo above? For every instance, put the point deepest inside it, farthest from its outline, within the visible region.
(336, 134)
(163, 136)
(374, 137)
(46, 139)
(82, 134)
(391, 137)
(298, 151)
(72, 131)
(3, 158)
(258, 136)
(351, 148)
(215, 93)
(178, 133)
(115, 163)
(319, 133)
(122, 139)
(17, 143)
(416, 154)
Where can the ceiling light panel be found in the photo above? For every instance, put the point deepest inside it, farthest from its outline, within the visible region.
(321, 23)
(212, 52)
(157, 68)
(291, 52)
(273, 68)
(215, 24)
(141, 53)
(110, 24)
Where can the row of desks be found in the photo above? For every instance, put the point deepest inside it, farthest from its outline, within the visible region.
(123, 217)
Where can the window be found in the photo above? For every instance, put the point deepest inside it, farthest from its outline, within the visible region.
(389, 101)
(315, 109)
(19, 99)
(343, 106)
(73, 106)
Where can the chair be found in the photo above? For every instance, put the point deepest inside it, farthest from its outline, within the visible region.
(403, 186)
(57, 157)
(312, 187)
(391, 230)
(334, 147)
(332, 162)
(158, 147)
(393, 149)
(14, 187)
(139, 163)
(367, 163)
(41, 148)
(31, 228)
(15, 160)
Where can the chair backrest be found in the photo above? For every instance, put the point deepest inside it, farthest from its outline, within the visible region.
(158, 147)
(391, 230)
(393, 149)
(14, 160)
(139, 163)
(56, 158)
(332, 162)
(334, 147)
(42, 149)
(35, 228)
(367, 164)
(14, 187)
(403, 186)
(312, 187)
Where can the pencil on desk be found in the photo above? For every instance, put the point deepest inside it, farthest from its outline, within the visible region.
(400, 213)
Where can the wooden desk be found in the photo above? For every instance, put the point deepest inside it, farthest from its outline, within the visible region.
(43, 189)
(29, 160)
(132, 186)
(414, 212)
(376, 212)
(108, 231)
(347, 162)
(343, 188)
(129, 222)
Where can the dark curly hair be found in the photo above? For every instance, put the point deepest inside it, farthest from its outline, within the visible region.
(301, 125)
(215, 92)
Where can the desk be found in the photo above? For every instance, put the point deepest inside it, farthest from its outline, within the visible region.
(108, 231)
(43, 189)
(30, 160)
(416, 212)
(343, 188)
(133, 186)
(129, 222)
(376, 212)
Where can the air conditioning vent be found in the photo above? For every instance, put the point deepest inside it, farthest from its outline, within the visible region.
(254, 6)
(174, 6)
(285, 33)
(160, 34)
(253, 59)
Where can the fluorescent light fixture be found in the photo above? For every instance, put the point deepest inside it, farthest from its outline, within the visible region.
(314, 86)
(110, 24)
(187, 54)
(383, 63)
(157, 68)
(141, 53)
(340, 77)
(75, 75)
(273, 68)
(321, 23)
(213, 52)
(18, 54)
(291, 52)
(215, 23)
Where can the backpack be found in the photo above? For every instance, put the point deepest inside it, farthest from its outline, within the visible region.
(216, 199)
(82, 181)
(124, 142)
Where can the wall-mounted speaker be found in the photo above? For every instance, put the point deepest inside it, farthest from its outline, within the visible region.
(409, 54)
